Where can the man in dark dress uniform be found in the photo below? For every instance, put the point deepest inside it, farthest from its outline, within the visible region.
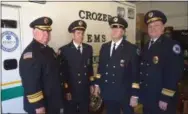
(160, 68)
(117, 78)
(39, 71)
(77, 66)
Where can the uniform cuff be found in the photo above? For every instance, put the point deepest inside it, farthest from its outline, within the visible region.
(98, 76)
(135, 85)
(36, 99)
(167, 95)
(96, 85)
(168, 92)
(92, 78)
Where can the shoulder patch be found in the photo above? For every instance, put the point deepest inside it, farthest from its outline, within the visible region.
(176, 49)
(27, 55)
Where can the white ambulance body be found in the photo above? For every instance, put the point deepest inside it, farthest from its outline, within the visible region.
(16, 35)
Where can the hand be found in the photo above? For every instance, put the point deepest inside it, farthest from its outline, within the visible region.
(96, 90)
(133, 101)
(91, 89)
(163, 105)
(68, 96)
(40, 110)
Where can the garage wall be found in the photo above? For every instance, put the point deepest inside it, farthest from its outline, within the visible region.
(177, 12)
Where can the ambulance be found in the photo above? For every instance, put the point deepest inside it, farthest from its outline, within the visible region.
(16, 35)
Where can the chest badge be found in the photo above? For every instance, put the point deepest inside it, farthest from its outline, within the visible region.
(122, 62)
(155, 59)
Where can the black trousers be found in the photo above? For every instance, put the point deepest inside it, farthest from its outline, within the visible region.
(73, 107)
(114, 107)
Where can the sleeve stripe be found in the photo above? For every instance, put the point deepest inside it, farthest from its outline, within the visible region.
(91, 78)
(34, 100)
(34, 95)
(168, 92)
(135, 85)
(98, 76)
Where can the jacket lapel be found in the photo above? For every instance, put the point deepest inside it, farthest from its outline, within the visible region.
(124, 52)
(84, 53)
(84, 50)
(108, 50)
(74, 53)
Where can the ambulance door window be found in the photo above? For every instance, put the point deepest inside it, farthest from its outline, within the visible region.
(10, 64)
(8, 23)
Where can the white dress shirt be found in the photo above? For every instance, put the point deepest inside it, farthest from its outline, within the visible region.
(76, 45)
(154, 40)
(117, 44)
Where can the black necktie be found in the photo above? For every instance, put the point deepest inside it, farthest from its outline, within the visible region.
(151, 43)
(114, 49)
(79, 49)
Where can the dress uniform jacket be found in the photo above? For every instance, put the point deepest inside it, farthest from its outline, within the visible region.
(39, 71)
(77, 71)
(160, 69)
(118, 74)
